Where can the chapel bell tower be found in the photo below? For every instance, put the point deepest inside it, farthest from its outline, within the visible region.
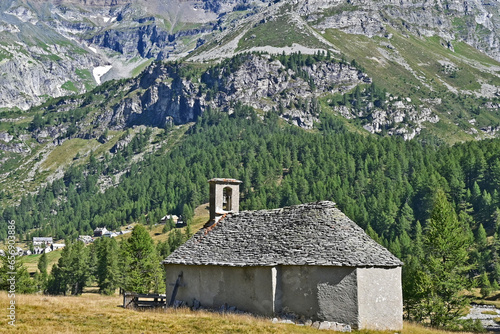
(224, 196)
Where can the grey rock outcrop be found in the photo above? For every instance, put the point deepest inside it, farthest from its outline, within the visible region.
(259, 81)
(399, 118)
(6, 137)
(163, 96)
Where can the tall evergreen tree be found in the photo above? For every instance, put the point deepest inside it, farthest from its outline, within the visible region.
(444, 266)
(72, 271)
(42, 275)
(78, 271)
(141, 263)
(58, 279)
(107, 265)
(43, 264)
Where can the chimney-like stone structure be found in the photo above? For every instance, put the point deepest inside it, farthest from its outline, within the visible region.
(224, 196)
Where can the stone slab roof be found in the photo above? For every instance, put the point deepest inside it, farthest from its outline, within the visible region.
(223, 180)
(307, 234)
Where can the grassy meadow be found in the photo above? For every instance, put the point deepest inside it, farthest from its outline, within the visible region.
(93, 313)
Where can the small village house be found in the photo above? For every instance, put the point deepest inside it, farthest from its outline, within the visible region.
(166, 218)
(57, 246)
(40, 241)
(307, 260)
(87, 239)
(100, 231)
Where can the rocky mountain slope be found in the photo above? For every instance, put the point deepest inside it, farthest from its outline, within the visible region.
(56, 48)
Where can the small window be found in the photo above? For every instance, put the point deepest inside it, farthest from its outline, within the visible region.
(227, 194)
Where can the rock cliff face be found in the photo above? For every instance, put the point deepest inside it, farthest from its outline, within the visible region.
(164, 94)
(260, 81)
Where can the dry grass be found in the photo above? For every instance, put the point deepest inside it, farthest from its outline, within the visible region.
(412, 328)
(93, 313)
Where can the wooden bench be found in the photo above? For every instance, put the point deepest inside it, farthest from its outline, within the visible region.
(138, 300)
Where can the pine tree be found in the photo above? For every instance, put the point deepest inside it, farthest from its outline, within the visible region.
(78, 271)
(481, 241)
(42, 276)
(107, 265)
(406, 218)
(72, 271)
(43, 264)
(413, 285)
(485, 285)
(141, 262)
(418, 244)
(59, 279)
(444, 266)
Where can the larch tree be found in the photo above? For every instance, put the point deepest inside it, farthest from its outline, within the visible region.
(444, 267)
(13, 263)
(107, 271)
(142, 270)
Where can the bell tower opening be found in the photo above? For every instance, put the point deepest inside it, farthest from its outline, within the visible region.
(227, 194)
(224, 196)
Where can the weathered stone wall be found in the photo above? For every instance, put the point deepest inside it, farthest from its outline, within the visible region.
(380, 298)
(319, 292)
(248, 288)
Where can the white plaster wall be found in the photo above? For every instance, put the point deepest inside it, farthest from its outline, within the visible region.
(380, 298)
(319, 293)
(249, 288)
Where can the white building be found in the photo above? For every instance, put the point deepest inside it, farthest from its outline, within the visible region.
(39, 241)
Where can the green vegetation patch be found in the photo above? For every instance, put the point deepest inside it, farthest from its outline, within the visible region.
(11, 162)
(433, 68)
(5, 55)
(64, 154)
(335, 10)
(183, 26)
(31, 261)
(87, 78)
(136, 71)
(468, 52)
(69, 85)
(278, 32)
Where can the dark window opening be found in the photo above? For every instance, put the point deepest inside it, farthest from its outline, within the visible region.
(227, 204)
